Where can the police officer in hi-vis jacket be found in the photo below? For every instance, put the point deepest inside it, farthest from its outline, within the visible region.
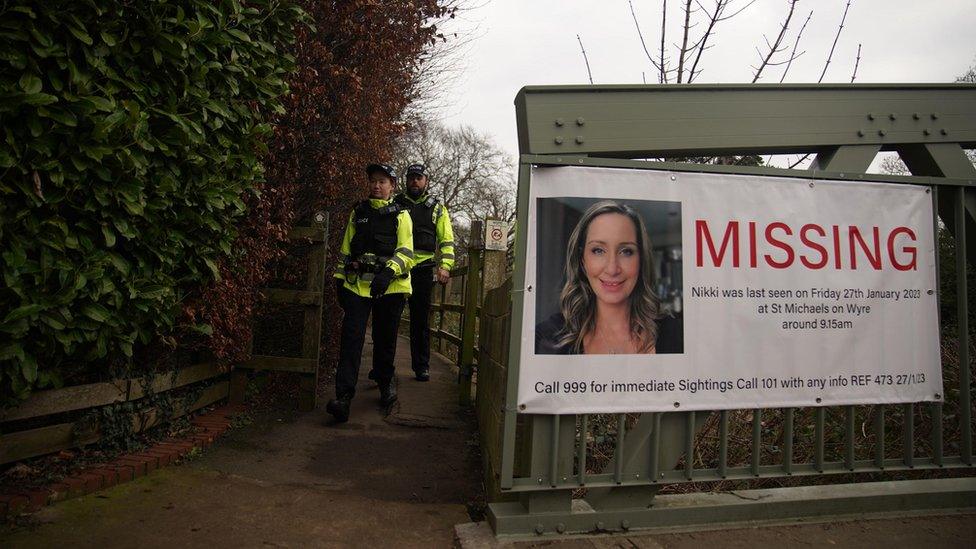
(373, 276)
(433, 244)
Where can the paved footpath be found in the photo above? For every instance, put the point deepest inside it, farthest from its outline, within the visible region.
(295, 480)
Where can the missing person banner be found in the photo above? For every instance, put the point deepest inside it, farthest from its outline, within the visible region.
(660, 291)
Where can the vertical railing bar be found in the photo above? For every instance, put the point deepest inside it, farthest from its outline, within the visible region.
(618, 464)
(849, 439)
(440, 321)
(656, 447)
(756, 440)
(690, 445)
(554, 452)
(962, 305)
(908, 436)
(936, 408)
(788, 442)
(581, 448)
(723, 442)
(879, 436)
(818, 456)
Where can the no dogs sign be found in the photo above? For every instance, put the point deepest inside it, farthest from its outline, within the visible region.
(496, 234)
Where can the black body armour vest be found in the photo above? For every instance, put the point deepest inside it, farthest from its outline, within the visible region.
(376, 230)
(422, 215)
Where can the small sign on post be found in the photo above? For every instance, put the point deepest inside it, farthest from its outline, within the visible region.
(496, 234)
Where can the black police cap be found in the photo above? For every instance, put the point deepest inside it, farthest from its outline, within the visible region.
(415, 169)
(385, 168)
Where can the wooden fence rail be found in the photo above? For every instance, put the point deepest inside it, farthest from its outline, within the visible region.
(32, 442)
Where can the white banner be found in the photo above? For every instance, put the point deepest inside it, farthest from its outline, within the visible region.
(659, 291)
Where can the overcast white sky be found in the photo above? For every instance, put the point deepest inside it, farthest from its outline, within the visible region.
(530, 42)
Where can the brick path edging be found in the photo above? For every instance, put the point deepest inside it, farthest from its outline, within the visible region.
(123, 468)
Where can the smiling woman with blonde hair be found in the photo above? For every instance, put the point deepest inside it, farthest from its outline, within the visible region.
(608, 304)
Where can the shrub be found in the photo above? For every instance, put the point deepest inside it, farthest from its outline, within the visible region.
(132, 135)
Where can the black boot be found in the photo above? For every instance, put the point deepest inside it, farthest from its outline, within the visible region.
(339, 408)
(422, 374)
(388, 393)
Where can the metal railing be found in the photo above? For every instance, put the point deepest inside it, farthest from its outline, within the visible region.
(542, 460)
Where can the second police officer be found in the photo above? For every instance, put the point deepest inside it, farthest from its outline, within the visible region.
(433, 243)
(373, 276)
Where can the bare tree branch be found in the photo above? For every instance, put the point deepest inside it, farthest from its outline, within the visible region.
(856, 63)
(737, 12)
(588, 73)
(713, 19)
(800, 161)
(684, 41)
(775, 46)
(472, 176)
(444, 60)
(836, 36)
(664, 21)
(796, 44)
(660, 68)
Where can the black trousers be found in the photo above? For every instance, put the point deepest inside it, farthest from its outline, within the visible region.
(386, 311)
(422, 280)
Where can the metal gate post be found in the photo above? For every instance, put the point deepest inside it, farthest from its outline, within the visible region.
(663, 432)
(551, 463)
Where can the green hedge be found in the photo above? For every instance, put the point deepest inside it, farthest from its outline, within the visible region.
(132, 132)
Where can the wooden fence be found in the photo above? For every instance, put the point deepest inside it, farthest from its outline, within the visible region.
(452, 312)
(61, 419)
(61, 435)
(306, 366)
(462, 296)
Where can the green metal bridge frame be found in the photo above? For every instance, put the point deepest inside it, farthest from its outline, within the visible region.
(845, 127)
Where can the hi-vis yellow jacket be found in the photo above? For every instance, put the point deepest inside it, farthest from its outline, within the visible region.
(401, 261)
(441, 221)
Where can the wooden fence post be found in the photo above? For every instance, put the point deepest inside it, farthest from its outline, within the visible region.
(493, 270)
(444, 289)
(312, 333)
(472, 298)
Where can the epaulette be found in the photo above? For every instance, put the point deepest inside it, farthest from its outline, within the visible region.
(393, 208)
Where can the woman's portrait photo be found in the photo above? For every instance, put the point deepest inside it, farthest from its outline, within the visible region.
(608, 277)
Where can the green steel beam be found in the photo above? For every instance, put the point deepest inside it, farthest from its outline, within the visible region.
(643, 121)
(573, 160)
(745, 507)
(515, 339)
(748, 472)
(946, 160)
(849, 158)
